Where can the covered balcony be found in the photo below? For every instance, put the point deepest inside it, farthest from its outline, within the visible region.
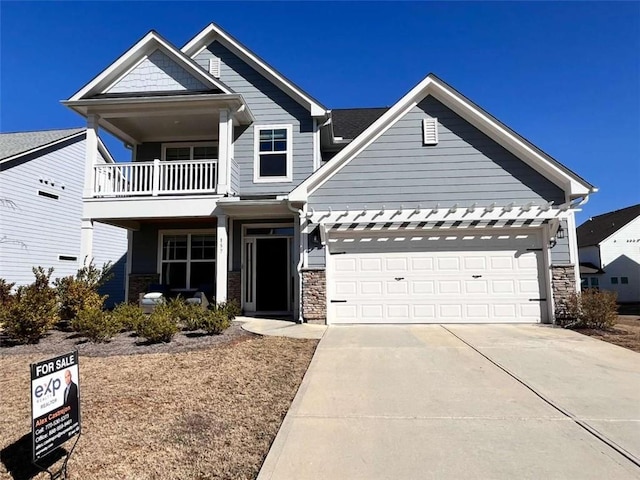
(186, 177)
(182, 144)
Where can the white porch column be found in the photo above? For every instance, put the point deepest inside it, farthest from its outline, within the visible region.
(225, 139)
(222, 253)
(86, 242)
(573, 247)
(91, 154)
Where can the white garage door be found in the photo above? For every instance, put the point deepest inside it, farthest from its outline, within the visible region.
(416, 277)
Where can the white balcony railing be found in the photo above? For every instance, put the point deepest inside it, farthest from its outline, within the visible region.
(155, 178)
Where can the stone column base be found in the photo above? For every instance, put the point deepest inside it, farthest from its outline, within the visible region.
(234, 286)
(563, 285)
(139, 283)
(314, 296)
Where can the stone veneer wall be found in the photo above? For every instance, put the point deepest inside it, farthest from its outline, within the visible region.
(234, 286)
(563, 284)
(139, 282)
(314, 296)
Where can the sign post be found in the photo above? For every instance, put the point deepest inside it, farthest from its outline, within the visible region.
(55, 405)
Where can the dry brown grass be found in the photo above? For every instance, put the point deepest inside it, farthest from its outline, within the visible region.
(625, 333)
(205, 414)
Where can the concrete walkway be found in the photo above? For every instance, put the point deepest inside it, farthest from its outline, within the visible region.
(282, 328)
(420, 402)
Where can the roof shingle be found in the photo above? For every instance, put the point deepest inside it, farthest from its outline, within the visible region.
(12, 144)
(348, 123)
(596, 229)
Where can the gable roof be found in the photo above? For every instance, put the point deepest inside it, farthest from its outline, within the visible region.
(601, 227)
(557, 173)
(213, 32)
(148, 44)
(348, 123)
(16, 144)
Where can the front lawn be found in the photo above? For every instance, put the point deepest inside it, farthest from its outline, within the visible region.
(625, 333)
(210, 413)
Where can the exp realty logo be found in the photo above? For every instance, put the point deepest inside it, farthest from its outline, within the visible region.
(47, 391)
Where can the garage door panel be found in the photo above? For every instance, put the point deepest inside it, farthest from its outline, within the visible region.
(482, 277)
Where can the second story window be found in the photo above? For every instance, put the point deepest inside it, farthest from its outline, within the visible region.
(273, 154)
(186, 151)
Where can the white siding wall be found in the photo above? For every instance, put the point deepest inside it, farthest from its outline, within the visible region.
(590, 255)
(621, 258)
(38, 229)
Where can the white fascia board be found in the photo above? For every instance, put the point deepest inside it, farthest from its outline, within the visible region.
(430, 86)
(42, 147)
(150, 42)
(212, 32)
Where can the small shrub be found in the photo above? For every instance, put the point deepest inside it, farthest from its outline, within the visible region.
(128, 315)
(159, 326)
(215, 321)
(81, 292)
(97, 325)
(592, 309)
(5, 292)
(185, 314)
(33, 311)
(231, 309)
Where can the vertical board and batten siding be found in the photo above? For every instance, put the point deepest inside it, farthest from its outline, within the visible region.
(466, 166)
(148, 152)
(110, 245)
(270, 106)
(39, 229)
(157, 73)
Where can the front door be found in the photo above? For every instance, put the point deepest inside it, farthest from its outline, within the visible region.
(267, 269)
(272, 274)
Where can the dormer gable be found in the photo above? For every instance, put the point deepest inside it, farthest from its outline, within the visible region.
(152, 65)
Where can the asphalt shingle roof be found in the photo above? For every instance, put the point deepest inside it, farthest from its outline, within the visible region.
(348, 123)
(19, 142)
(596, 229)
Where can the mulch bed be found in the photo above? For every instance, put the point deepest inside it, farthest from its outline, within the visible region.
(127, 343)
(626, 333)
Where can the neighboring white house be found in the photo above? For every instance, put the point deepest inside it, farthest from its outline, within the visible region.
(41, 182)
(609, 251)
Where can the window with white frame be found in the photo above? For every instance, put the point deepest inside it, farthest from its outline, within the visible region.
(273, 153)
(188, 260)
(190, 151)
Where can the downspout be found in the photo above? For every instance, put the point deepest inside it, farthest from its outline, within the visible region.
(301, 218)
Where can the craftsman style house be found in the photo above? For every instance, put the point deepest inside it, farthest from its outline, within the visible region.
(243, 186)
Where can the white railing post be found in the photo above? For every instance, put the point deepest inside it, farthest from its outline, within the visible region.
(225, 137)
(156, 177)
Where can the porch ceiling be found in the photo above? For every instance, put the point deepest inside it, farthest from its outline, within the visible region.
(164, 118)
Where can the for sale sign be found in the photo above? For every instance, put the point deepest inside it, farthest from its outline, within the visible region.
(55, 403)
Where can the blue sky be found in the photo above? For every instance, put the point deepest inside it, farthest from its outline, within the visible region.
(564, 75)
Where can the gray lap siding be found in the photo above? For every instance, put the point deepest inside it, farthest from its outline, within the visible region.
(270, 106)
(466, 166)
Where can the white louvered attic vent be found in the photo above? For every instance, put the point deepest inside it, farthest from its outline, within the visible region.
(214, 67)
(430, 131)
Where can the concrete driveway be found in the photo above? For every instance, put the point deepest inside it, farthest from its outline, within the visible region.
(453, 402)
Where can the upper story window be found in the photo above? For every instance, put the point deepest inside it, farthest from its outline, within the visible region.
(273, 153)
(190, 151)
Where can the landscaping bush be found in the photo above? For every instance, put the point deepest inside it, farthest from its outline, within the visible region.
(33, 311)
(187, 315)
(128, 315)
(159, 326)
(231, 308)
(5, 292)
(80, 292)
(592, 309)
(214, 321)
(97, 325)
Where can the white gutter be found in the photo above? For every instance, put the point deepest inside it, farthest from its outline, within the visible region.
(301, 218)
